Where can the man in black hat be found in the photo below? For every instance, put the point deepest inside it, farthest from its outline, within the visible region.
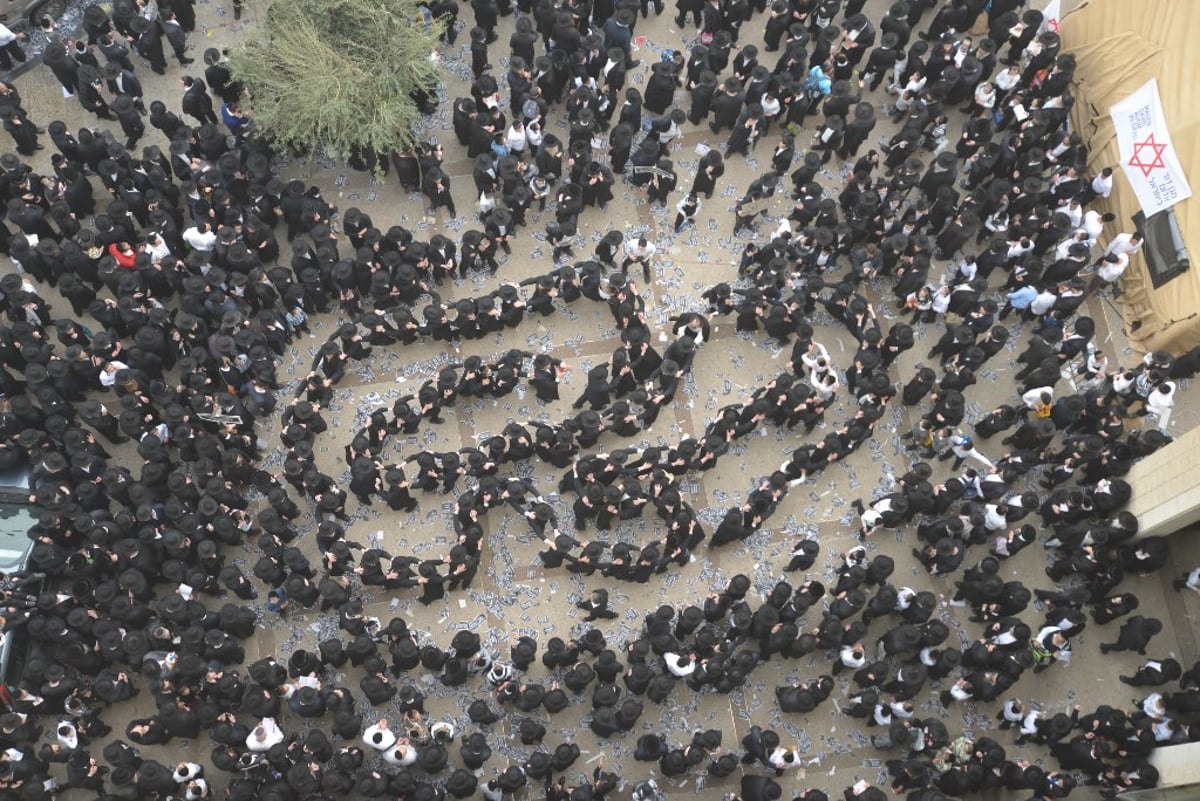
(1134, 635)
(23, 132)
(557, 238)
(130, 118)
(598, 392)
(436, 186)
(727, 105)
(596, 606)
(618, 32)
(546, 372)
(682, 352)
(608, 247)
(116, 51)
(433, 584)
(90, 96)
(462, 563)
(177, 35)
(597, 185)
(123, 81)
(196, 102)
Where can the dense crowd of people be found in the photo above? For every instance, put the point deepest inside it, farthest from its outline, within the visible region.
(191, 270)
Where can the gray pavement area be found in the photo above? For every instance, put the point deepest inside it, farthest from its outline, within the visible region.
(513, 594)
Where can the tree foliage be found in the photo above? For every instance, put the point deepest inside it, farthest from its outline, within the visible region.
(339, 73)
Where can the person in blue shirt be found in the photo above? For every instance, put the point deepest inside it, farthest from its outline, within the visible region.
(233, 117)
(618, 32)
(1019, 299)
(500, 145)
(277, 601)
(817, 85)
(818, 81)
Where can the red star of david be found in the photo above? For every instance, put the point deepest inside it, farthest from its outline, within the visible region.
(1156, 160)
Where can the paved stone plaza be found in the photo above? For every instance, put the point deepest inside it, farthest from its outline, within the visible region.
(514, 594)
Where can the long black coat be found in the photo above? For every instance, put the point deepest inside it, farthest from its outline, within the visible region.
(660, 92)
(726, 107)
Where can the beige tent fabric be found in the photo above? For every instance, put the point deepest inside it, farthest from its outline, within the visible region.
(1119, 45)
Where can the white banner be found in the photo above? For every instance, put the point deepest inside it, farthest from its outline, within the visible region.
(1147, 155)
(1051, 15)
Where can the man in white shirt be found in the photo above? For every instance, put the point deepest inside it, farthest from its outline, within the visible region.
(639, 251)
(994, 517)
(1154, 706)
(1043, 303)
(1125, 243)
(1019, 248)
(10, 48)
(1164, 730)
(939, 304)
(265, 736)
(200, 237)
(985, 96)
(1039, 400)
(1006, 81)
(108, 373)
(771, 107)
(1029, 725)
(1102, 184)
(827, 387)
(157, 247)
(872, 516)
(962, 447)
(186, 771)
(1012, 712)
(783, 758)
(1073, 210)
(442, 731)
(1108, 272)
(680, 665)
(518, 142)
(533, 135)
(403, 755)
(967, 269)
(1094, 222)
(1123, 385)
(196, 789)
(378, 736)
(491, 791)
(67, 735)
(1190, 581)
(1063, 249)
(882, 715)
(1097, 362)
(1160, 402)
(851, 656)
(816, 359)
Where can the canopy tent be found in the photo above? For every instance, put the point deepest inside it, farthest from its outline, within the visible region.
(1119, 46)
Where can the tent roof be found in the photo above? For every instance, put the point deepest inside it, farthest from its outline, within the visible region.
(1119, 46)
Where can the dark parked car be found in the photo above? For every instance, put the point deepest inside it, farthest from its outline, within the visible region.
(13, 10)
(17, 517)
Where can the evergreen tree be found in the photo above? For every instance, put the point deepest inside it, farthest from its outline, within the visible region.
(340, 74)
